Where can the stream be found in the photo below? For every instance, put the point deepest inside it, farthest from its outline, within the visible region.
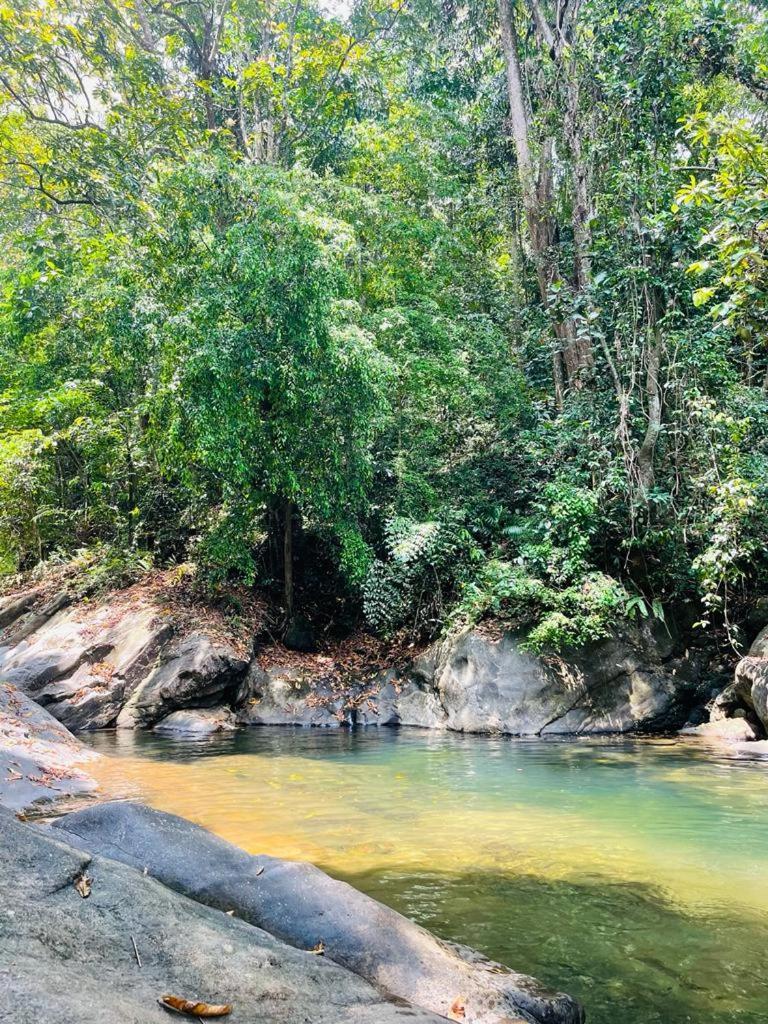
(631, 873)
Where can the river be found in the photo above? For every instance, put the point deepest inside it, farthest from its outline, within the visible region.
(631, 873)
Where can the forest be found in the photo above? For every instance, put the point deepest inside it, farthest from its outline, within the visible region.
(404, 314)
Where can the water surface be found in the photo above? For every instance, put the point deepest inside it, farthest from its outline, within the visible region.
(632, 874)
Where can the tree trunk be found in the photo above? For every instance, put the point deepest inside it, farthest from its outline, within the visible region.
(573, 353)
(647, 449)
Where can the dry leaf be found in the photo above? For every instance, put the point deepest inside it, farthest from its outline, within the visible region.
(192, 1009)
(458, 1010)
(13, 776)
(83, 885)
(319, 949)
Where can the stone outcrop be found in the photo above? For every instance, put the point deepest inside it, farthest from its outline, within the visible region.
(301, 905)
(747, 696)
(107, 958)
(636, 682)
(196, 672)
(124, 659)
(39, 757)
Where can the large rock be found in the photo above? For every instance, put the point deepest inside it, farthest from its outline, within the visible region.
(84, 660)
(195, 672)
(635, 682)
(196, 722)
(303, 906)
(106, 959)
(122, 657)
(39, 757)
(748, 693)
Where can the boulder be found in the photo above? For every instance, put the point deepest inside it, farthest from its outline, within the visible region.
(748, 693)
(305, 907)
(726, 730)
(107, 958)
(83, 661)
(198, 722)
(39, 757)
(196, 671)
(634, 682)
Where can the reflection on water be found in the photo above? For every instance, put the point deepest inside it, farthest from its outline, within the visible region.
(632, 874)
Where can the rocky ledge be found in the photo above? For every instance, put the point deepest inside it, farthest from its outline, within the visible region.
(132, 660)
(118, 905)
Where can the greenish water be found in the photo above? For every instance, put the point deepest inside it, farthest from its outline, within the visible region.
(633, 874)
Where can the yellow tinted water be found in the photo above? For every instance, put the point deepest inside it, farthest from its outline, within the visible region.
(618, 870)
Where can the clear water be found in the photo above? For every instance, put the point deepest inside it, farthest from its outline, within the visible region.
(632, 874)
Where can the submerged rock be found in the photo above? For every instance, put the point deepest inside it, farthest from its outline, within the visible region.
(107, 958)
(198, 722)
(39, 757)
(305, 907)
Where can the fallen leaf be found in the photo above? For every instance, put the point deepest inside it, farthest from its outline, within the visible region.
(458, 1010)
(83, 885)
(13, 776)
(187, 1006)
(319, 949)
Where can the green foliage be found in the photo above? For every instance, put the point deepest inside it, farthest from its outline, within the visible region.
(266, 277)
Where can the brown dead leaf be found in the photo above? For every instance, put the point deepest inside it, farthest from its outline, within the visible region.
(13, 776)
(192, 1009)
(83, 885)
(319, 949)
(458, 1009)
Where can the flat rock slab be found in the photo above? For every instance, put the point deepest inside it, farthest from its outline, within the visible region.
(303, 906)
(39, 757)
(65, 959)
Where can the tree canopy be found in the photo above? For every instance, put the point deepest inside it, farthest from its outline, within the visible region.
(407, 312)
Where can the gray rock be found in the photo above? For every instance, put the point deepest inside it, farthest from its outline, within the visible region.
(83, 661)
(194, 672)
(39, 758)
(303, 906)
(726, 730)
(748, 693)
(632, 683)
(198, 722)
(69, 960)
(288, 696)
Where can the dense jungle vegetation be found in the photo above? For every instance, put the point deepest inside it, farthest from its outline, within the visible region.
(407, 313)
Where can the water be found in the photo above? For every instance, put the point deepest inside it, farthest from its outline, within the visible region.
(632, 874)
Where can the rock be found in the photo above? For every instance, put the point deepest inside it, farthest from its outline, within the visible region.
(198, 721)
(288, 696)
(303, 906)
(298, 636)
(748, 693)
(631, 683)
(69, 960)
(193, 672)
(39, 758)
(726, 730)
(83, 661)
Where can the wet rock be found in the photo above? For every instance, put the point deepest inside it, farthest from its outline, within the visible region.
(198, 722)
(301, 905)
(726, 730)
(193, 672)
(69, 960)
(39, 757)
